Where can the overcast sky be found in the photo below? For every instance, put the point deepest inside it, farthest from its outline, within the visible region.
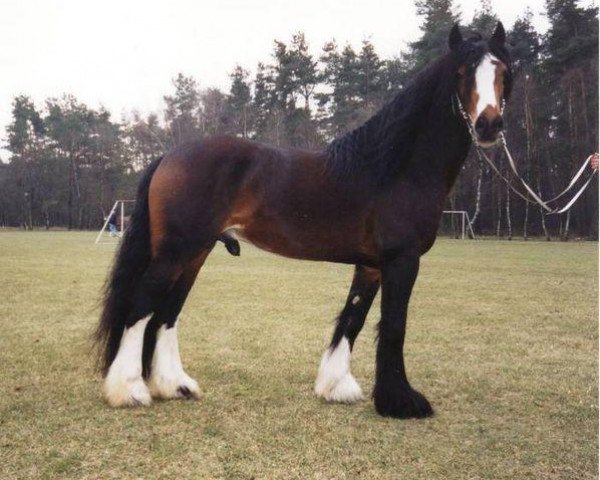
(123, 53)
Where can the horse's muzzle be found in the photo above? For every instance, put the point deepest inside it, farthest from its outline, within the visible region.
(488, 130)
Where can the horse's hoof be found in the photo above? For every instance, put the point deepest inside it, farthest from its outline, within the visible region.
(183, 387)
(346, 390)
(185, 392)
(334, 381)
(401, 401)
(133, 393)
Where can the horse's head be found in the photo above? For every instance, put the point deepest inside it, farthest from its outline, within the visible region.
(484, 80)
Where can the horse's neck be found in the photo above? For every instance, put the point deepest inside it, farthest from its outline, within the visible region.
(441, 147)
(439, 142)
(415, 135)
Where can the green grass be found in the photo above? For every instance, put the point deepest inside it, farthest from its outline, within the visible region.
(502, 338)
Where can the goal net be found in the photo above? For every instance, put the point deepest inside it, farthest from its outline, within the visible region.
(455, 224)
(115, 222)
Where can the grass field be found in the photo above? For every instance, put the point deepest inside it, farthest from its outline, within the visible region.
(502, 338)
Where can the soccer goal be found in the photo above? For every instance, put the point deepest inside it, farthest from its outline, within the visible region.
(115, 222)
(456, 224)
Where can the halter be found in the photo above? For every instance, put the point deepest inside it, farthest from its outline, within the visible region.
(544, 204)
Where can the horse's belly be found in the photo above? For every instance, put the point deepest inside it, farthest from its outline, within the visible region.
(336, 244)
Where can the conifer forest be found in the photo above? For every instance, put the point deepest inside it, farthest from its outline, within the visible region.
(67, 163)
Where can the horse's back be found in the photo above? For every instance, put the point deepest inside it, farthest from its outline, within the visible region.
(279, 199)
(200, 185)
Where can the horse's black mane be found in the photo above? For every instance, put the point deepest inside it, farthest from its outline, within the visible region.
(376, 148)
(376, 151)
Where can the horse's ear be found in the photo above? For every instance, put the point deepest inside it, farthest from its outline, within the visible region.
(455, 38)
(499, 35)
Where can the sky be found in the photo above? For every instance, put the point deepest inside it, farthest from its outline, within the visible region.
(123, 54)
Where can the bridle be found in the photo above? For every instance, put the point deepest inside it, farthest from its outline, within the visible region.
(529, 191)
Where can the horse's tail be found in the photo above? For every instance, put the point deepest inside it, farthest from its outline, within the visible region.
(130, 264)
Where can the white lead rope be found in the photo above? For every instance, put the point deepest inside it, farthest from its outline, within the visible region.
(574, 179)
(534, 195)
(569, 186)
(481, 154)
(577, 195)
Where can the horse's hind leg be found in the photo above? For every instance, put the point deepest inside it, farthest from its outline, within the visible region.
(124, 385)
(334, 382)
(162, 361)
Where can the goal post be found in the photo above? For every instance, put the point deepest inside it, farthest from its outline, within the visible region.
(116, 221)
(456, 224)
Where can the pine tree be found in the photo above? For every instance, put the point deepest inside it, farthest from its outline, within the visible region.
(215, 118)
(239, 101)
(438, 18)
(24, 142)
(340, 75)
(303, 69)
(264, 103)
(145, 139)
(295, 78)
(370, 78)
(572, 37)
(525, 44)
(395, 76)
(183, 110)
(484, 21)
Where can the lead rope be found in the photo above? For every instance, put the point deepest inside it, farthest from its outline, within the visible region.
(569, 186)
(544, 204)
(482, 155)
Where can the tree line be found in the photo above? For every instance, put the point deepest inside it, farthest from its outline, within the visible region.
(68, 162)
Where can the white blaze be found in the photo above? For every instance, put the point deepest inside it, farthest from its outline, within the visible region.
(485, 77)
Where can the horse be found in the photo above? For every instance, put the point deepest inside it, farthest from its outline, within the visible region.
(373, 198)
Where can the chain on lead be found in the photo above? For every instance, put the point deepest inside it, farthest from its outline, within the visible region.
(480, 154)
(471, 129)
(468, 121)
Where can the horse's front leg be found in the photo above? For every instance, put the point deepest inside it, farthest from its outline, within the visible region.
(334, 382)
(392, 394)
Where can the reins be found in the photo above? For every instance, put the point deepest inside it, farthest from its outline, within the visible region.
(530, 192)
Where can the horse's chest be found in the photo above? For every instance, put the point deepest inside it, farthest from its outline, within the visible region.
(408, 219)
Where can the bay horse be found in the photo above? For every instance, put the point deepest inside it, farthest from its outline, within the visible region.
(372, 198)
